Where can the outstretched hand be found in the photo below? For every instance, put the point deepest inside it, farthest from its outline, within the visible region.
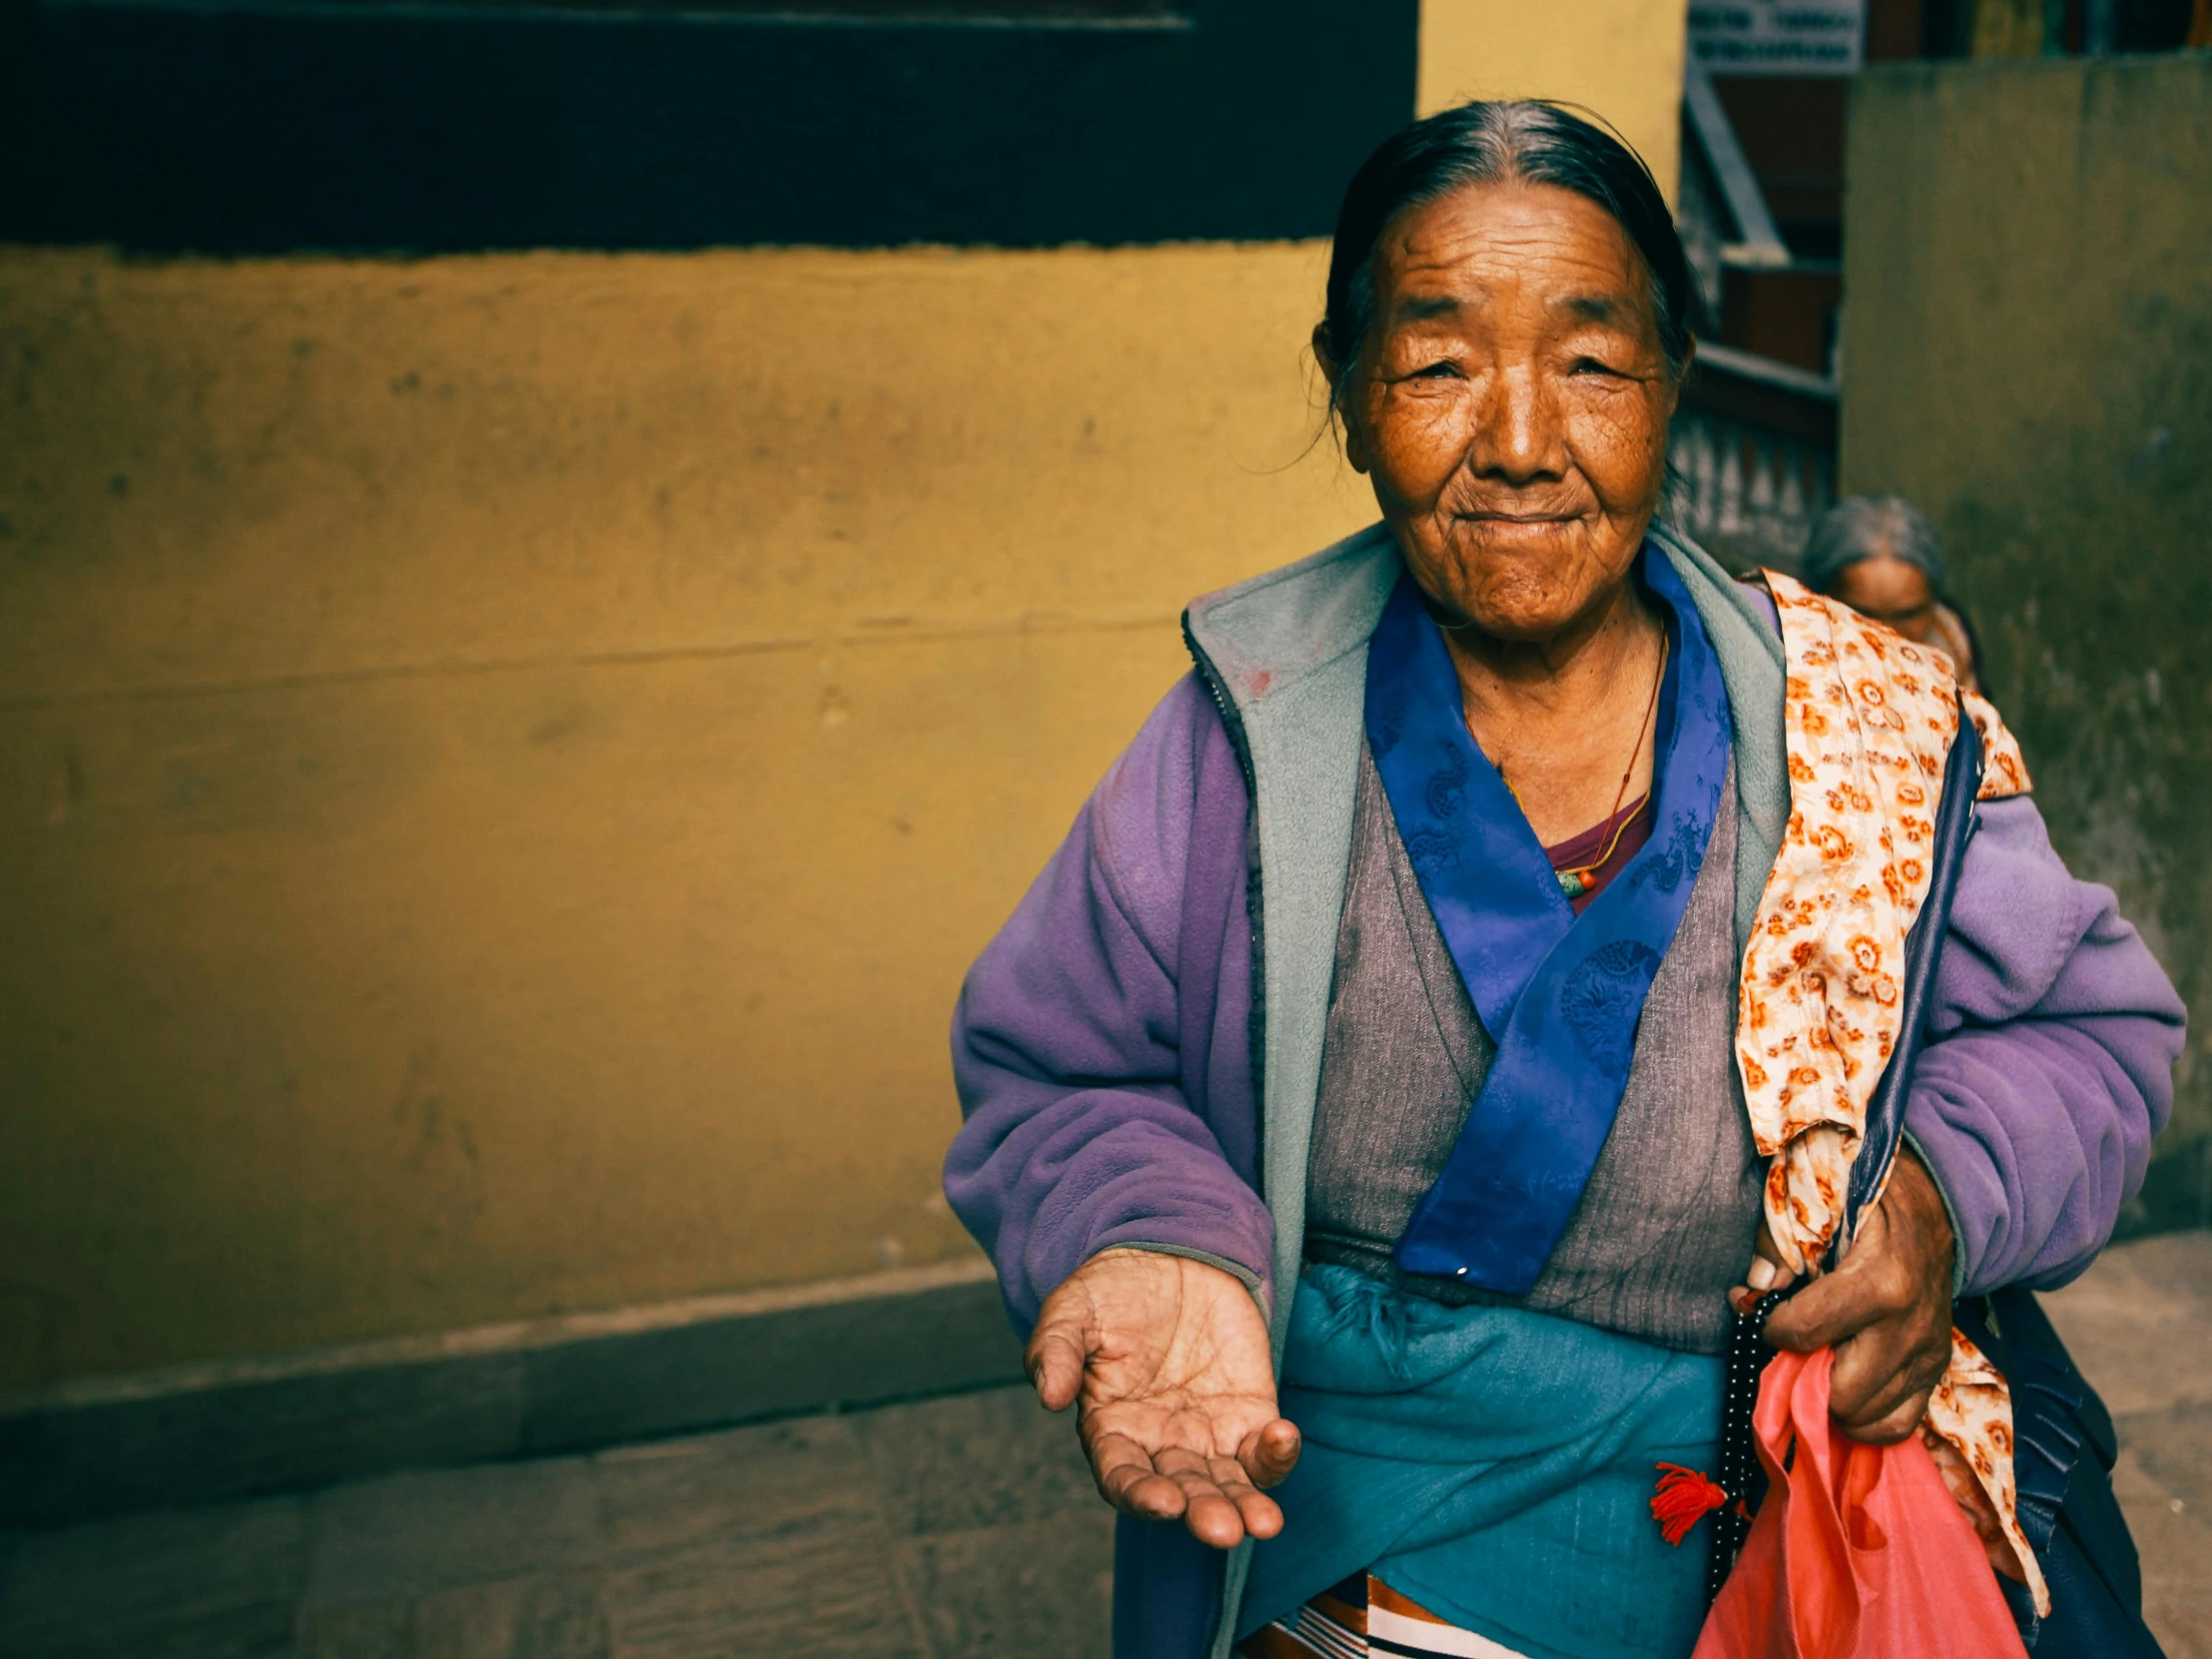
(1166, 1359)
(1886, 1309)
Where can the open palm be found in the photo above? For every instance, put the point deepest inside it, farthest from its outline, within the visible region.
(1167, 1361)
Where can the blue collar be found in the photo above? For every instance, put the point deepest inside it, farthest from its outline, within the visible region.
(1559, 994)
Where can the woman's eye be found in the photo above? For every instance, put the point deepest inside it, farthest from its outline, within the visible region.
(1593, 366)
(1436, 371)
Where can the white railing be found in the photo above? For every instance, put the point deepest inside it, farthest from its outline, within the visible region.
(1751, 458)
(1748, 497)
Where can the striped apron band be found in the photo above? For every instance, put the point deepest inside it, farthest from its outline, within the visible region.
(1364, 1617)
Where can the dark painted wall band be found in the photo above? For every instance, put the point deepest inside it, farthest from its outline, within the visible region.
(381, 128)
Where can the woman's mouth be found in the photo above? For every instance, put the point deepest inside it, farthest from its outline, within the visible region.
(1519, 526)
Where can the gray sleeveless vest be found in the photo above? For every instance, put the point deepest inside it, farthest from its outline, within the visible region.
(1665, 1225)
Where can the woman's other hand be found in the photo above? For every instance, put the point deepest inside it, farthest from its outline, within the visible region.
(1886, 1311)
(1167, 1361)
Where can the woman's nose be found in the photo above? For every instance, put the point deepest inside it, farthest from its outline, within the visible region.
(1516, 435)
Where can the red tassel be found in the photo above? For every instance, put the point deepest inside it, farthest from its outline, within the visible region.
(1685, 1498)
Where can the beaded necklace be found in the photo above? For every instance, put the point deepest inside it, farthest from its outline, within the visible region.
(1575, 882)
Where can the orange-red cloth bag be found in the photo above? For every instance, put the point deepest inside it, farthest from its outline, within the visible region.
(1858, 1552)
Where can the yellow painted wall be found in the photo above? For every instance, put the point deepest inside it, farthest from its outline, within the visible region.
(1621, 58)
(504, 761)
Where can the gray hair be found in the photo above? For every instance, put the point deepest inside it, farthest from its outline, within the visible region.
(1865, 527)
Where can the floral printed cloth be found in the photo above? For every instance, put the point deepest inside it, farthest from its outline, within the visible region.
(1869, 720)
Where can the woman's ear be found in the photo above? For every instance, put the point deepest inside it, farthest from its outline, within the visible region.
(1356, 449)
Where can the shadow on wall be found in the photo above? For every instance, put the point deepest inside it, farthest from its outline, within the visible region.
(2030, 360)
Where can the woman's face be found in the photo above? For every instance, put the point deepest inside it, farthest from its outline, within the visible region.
(1511, 402)
(1888, 589)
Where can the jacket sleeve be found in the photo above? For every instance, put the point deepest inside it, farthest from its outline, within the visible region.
(2049, 1065)
(1066, 1047)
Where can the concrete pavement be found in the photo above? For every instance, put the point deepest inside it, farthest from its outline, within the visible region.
(931, 1530)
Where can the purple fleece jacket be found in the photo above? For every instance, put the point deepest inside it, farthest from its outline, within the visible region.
(1104, 1053)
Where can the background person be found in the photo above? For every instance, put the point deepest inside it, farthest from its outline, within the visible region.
(1879, 555)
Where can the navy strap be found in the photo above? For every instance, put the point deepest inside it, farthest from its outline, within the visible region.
(1923, 949)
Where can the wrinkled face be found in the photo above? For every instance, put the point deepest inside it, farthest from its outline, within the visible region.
(1511, 402)
(1888, 589)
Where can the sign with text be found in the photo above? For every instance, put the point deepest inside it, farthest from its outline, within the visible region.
(1778, 37)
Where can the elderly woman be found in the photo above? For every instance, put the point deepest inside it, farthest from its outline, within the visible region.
(1375, 1105)
(1879, 555)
